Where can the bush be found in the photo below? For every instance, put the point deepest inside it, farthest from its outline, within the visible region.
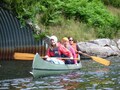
(115, 3)
(51, 12)
(93, 13)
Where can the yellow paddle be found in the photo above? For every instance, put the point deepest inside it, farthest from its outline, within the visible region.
(98, 59)
(23, 56)
(29, 56)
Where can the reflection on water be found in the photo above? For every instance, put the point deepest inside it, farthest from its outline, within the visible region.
(93, 76)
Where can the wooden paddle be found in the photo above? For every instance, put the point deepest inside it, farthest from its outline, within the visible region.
(23, 56)
(29, 56)
(97, 59)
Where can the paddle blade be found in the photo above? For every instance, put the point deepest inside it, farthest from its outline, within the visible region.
(23, 56)
(101, 60)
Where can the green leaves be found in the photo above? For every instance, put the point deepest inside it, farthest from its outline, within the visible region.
(52, 12)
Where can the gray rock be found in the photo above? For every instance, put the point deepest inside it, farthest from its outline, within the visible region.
(101, 47)
(118, 44)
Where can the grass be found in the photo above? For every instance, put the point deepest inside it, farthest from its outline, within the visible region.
(79, 31)
(113, 10)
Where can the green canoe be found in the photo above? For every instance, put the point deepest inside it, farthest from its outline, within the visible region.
(42, 67)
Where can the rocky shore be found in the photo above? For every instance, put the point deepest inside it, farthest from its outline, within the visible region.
(101, 47)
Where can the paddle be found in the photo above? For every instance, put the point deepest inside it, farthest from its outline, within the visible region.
(97, 59)
(29, 56)
(23, 56)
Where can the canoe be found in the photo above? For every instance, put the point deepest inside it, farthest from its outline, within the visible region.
(41, 68)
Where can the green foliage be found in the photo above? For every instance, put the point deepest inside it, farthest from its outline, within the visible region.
(39, 36)
(109, 31)
(25, 9)
(115, 3)
(52, 12)
(52, 15)
(51, 18)
(75, 8)
(105, 32)
(116, 23)
(93, 13)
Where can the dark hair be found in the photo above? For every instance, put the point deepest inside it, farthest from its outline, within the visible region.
(72, 39)
(69, 38)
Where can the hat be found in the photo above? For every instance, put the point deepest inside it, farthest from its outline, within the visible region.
(54, 38)
(65, 39)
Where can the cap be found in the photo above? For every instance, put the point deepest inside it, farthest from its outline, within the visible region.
(54, 38)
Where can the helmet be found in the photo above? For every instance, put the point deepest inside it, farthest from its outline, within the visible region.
(65, 39)
(54, 38)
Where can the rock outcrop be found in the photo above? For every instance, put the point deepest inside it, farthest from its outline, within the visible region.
(101, 47)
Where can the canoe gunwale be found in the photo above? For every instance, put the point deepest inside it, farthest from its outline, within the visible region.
(55, 69)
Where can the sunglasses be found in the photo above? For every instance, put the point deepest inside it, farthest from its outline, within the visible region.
(70, 40)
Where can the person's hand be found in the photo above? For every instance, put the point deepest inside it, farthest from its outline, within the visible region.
(79, 52)
(46, 57)
(71, 57)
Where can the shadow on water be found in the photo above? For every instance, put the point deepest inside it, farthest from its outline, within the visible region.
(11, 69)
(93, 76)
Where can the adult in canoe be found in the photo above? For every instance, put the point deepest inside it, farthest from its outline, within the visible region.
(65, 42)
(75, 46)
(56, 49)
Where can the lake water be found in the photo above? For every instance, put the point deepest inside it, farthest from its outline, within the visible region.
(14, 75)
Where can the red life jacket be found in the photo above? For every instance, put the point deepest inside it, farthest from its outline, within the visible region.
(54, 52)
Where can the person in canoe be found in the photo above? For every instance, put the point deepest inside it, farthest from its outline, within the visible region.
(65, 42)
(75, 46)
(55, 49)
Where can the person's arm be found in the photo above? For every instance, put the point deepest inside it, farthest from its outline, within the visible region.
(65, 51)
(78, 49)
(73, 52)
(47, 53)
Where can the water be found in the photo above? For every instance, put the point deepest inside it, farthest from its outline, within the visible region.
(93, 76)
